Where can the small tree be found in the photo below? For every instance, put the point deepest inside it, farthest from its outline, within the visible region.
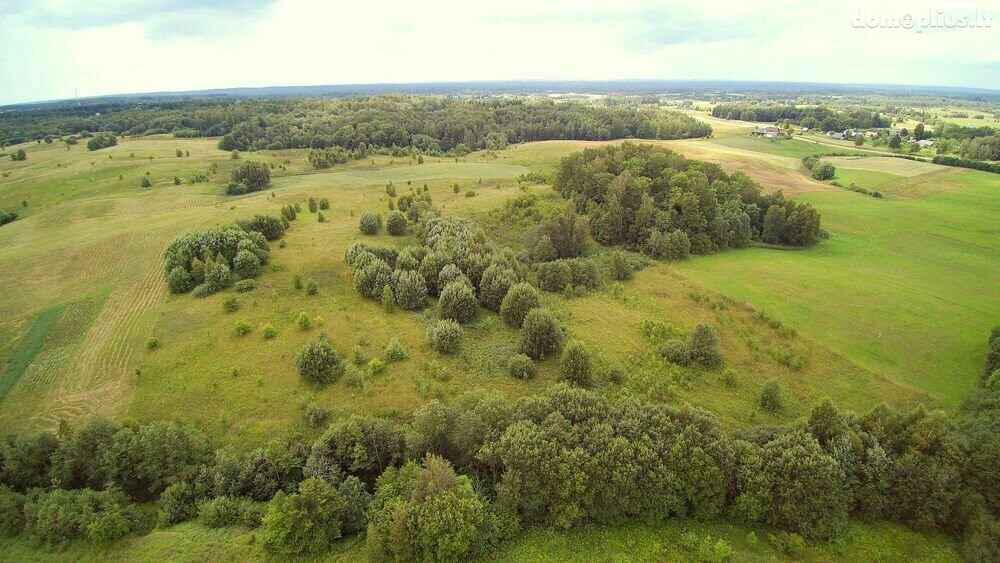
(520, 299)
(370, 223)
(411, 289)
(458, 303)
(445, 336)
(540, 334)
(770, 398)
(303, 321)
(494, 285)
(703, 345)
(621, 269)
(388, 299)
(255, 175)
(145, 182)
(312, 288)
(575, 366)
(313, 205)
(521, 367)
(246, 264)
(179, 280)
(318, 362)
(394, 352)
(396, 224)
(307, 522)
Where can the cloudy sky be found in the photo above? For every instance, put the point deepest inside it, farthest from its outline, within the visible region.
(52, 48)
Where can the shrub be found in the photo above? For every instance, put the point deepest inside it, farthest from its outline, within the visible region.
(318, 362)
(303, 321)
(411, 289)
(494, 285)
(458, 303)
(243, 286)
(621, 268)
(540, 334)
(396, 223)
(388, 299)
(313, 206)
(371, 278)
(823, 171)
(307, 522)
(370, 223)
(445, 336)
(394, 352)
(11, 512)
(20, 155)
(312, 288)
(520, 299)
(100, 141)
(703, 345)
(225, 511)
(451, 274)
(179, 280)
(521, 366)
(675, 245)
(554, 276)
(178, 503)
(575, 366)
(230, 304)
(255, 175)
(770, 398)
(676, 351)
(376, 366)
(242, 328)
(269, 331)
(317, 415)
(324, 203)
(145, 183)
(271, 226)
(57, 517)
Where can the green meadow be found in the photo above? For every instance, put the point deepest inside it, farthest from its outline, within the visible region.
(894, 307)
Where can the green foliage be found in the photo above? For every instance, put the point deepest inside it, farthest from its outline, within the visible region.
(445, 336)
(312, 288)
(20, 155)
(621, 267)
(371, 278)
(271, 226)
(823, 171)
(242, 328)
(307, 522)
(396, 223)
(318, 362)
(303, 321)
(541, 334)
(521, 367)
(671, 246)
(244, 286)
(152, 343)
(410, 289)
(520, 298)
(57, 517)
(676, 351)
(268, 331)
(145, 183)
(11, 512)
(458, 303)
(425, 514)
(703, 345)
(230, 304)
(179, 280)
(102, 140)
(770, 398)
(576, 367)
(253, 174)
(224, 511)
(370, 223)
(394, 352)
(388, 299)
(496, 281)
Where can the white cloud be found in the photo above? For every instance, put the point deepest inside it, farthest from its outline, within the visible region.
(100, 47)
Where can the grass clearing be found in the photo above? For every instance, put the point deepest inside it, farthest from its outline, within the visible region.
(27, 348)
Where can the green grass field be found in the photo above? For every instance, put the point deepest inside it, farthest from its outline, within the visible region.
(894, 307)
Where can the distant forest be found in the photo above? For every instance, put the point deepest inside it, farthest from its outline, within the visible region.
(431, 124)
(820, 117)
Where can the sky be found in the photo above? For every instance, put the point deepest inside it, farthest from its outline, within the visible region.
(55, 49)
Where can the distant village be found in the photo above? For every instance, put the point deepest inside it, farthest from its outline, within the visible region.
(775, 132)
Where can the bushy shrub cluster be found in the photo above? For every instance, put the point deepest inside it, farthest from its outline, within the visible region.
(318, 362)
(102, 140)
(445, 336)
(254, 175)
(205, 261)
(370, 223)
(636, 191)
(557, 275)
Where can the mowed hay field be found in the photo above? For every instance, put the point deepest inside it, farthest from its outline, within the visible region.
(85, 291)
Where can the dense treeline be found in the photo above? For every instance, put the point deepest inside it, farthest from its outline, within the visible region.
(993, 167)
(7, 216)
(206, 261)
(565, 458)
(813, 117)
(430, 124)
(655, 200)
